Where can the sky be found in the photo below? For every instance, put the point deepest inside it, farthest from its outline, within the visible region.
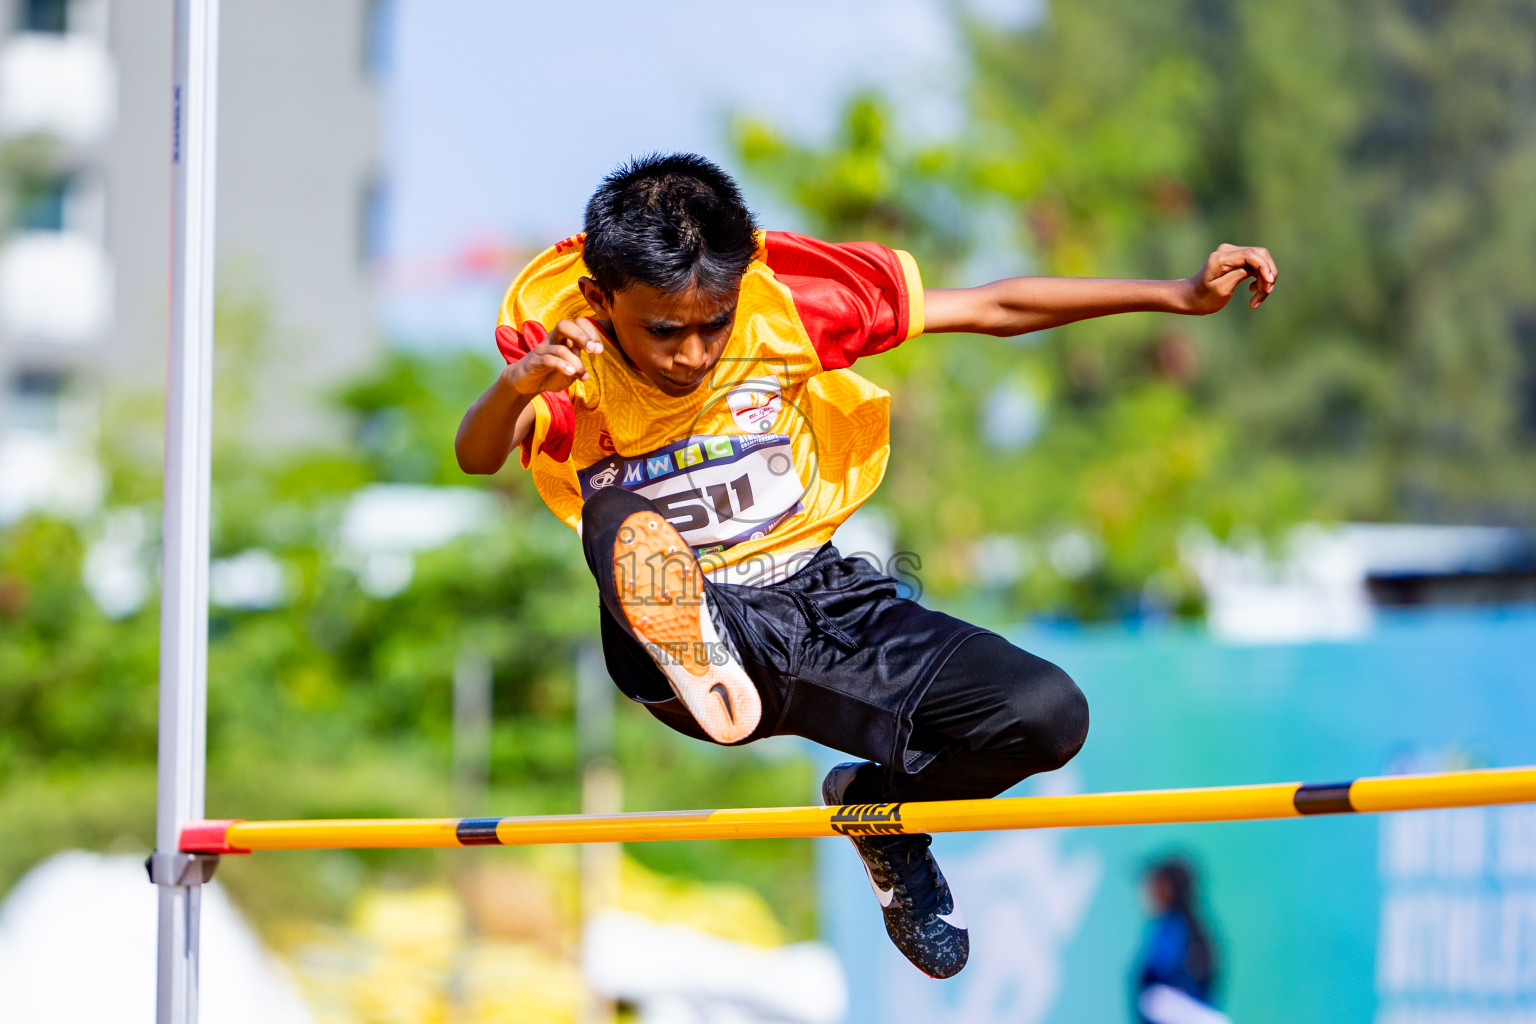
(501, 117)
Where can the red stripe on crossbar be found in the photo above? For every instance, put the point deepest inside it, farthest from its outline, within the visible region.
(209, 836)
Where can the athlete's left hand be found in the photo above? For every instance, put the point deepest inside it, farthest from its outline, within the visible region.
(1214, 284)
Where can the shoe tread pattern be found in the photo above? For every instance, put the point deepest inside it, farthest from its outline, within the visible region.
(661, 591)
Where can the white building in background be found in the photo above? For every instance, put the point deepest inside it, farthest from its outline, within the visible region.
(84, 254)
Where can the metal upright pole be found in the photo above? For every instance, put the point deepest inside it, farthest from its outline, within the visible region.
(188, 438)
(602, 792)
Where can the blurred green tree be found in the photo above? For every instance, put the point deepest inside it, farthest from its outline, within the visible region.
(1381, 150)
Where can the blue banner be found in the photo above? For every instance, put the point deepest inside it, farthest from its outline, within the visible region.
(1420, 918)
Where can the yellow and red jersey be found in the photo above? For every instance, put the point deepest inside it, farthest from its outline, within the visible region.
(766, 458)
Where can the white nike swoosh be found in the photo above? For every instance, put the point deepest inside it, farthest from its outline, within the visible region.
(954, 918)
(885, 896)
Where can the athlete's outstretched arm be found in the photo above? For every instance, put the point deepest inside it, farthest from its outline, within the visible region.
(1019, 305)
(502, 417)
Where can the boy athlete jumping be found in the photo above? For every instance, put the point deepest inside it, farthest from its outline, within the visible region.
(679, 385)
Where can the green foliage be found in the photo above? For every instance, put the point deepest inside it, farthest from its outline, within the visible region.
(866, 184)
(1381, 150)
(409, 412)
(72, 682)
(28, 173)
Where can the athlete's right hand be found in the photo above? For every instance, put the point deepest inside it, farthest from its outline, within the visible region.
(554, 364)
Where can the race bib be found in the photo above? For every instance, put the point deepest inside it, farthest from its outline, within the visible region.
(715, 490)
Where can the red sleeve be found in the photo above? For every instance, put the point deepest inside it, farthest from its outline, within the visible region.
(854, 298)
(554, 424)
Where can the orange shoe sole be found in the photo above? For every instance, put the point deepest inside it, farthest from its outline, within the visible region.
(661, 589)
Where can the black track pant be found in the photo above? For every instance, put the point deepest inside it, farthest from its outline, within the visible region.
(950, 710)
(996, 714)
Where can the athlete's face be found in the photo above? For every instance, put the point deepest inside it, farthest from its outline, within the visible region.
(672, 339)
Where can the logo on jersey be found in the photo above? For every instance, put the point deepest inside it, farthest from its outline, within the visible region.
(756, 404)
(603, 477)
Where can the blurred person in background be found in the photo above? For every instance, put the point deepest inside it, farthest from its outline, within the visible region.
(1176, 969)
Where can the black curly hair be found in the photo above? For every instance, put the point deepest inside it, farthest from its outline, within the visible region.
(672, 221)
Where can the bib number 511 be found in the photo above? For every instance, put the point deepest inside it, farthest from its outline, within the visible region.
(689, 511)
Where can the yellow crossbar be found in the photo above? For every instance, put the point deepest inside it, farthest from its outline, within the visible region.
(1220, 803)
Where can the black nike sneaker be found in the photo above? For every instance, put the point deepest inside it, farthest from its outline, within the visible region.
(921, 915)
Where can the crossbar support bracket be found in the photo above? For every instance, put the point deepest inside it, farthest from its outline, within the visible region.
(181, 869)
